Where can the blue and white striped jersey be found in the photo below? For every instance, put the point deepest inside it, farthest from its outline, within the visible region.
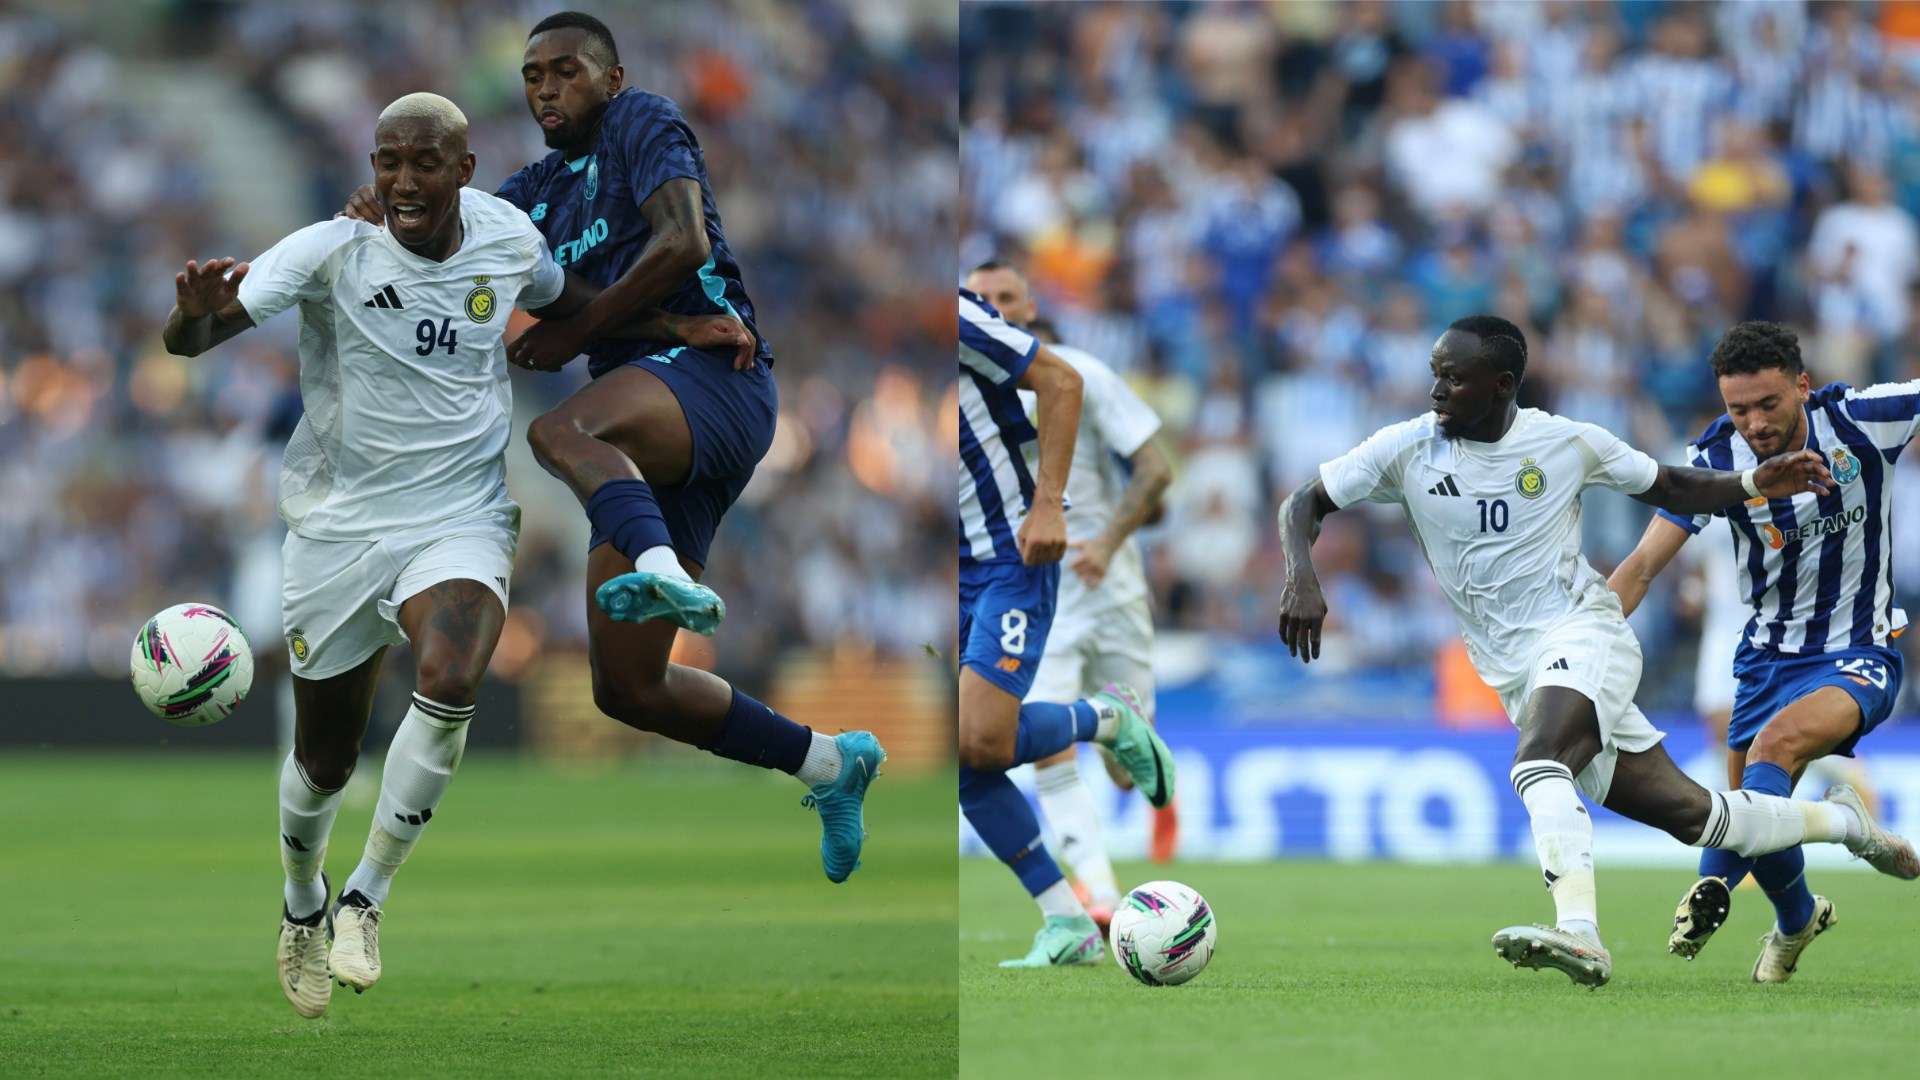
(1817, 570)
(998, 444)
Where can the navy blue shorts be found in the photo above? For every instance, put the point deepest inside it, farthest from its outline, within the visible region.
(731, 415)
(1769, 682)
(1006, 610)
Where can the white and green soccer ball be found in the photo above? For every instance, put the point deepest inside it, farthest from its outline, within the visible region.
(191, 665)
(1163, 933)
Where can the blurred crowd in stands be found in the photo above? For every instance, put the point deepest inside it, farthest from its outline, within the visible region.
(1264, 213)
(130, 479)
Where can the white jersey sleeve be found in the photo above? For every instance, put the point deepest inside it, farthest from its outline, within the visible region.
(1889, 413)
(545, 280)
(1372, 471)
(297, 269)
(1612, 463)
(1123, 421)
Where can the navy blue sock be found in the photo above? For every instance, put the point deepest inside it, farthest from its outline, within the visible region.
(1721, 863)
(1046, 728)
(626, 514)
(1004, 819)
(1782, 874)
(753, 734)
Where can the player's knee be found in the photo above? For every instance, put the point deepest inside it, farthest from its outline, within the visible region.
(1781, 745)
(449, 681)
(327, 768)
(986, 750)
(547, 436)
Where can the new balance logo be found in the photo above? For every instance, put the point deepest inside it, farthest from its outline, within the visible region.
(1445, 487)
(420, 818)
(385, 298)
(1559, 665)
(293, 842)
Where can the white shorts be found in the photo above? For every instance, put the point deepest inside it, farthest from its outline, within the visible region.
(340, 600)
(1594, 653)
(1085, 653)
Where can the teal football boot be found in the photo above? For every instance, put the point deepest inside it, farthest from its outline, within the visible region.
(843, 826)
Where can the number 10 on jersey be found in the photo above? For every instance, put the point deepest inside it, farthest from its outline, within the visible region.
(445, 338)
(1493, 513)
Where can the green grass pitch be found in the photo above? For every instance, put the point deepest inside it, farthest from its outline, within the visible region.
(662, 919)
(1330, 970)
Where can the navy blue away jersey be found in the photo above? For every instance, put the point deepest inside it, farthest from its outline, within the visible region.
(589, 211)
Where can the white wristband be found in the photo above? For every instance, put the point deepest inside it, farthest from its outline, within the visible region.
(1746, 481)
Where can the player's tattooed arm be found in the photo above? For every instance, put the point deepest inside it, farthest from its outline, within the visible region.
(676, 248)
(1657, 547)
(1140, 504)
(1057, 386)
(1302, 608)
(1681, 490)
(206, 307)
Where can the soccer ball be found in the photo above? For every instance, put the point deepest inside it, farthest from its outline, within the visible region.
(1163, 933)
(191, 665)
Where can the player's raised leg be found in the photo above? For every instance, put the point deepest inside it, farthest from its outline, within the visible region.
(453, 626)
(612, 442)
(330, 719)
(634, 683)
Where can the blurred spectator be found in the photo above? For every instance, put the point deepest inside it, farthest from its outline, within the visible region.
(1622, 181)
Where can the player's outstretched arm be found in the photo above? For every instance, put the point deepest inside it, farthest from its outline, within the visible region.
(717, 333)
(1657, 547)
(206, 307)
(1678, 489)
(676, 248)
(1141, 503)
(1302, 608)
(1043, 535)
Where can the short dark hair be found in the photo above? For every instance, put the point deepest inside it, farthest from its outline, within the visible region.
(989, 266)
(597, 32)
(1749, 347)
(1506, 346)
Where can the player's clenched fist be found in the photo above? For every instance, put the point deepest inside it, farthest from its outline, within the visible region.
(1043, 535)
(1785, 475)
(1302, 610)
(206, 288)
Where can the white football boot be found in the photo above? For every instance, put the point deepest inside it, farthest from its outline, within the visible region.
(302, 958)
(1780, 953)
(1882, 850)
(1585, 961)
(356, 942)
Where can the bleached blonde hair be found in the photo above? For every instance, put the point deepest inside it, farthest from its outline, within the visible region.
(444, 115)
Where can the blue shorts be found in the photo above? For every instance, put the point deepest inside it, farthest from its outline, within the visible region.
(1769, 682)
(731, 416)
(1006, 610)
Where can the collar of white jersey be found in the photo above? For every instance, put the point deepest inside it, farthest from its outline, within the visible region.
(466, 238)
(1521, 418)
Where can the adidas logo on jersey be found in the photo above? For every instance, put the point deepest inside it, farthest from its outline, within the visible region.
(1445, 487)
(1559, 665)
(385, 298)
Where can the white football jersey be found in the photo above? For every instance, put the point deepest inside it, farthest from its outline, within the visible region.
(1498, 522)
(1114, 424)
(403, 367)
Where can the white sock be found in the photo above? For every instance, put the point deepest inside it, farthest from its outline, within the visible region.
(306, 817)
(420, 764)
(1563, 839)
(660, 559)
(1753, 824)
(1068, 804)
(1057, 901)
(1108, 723)
(823, 761)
